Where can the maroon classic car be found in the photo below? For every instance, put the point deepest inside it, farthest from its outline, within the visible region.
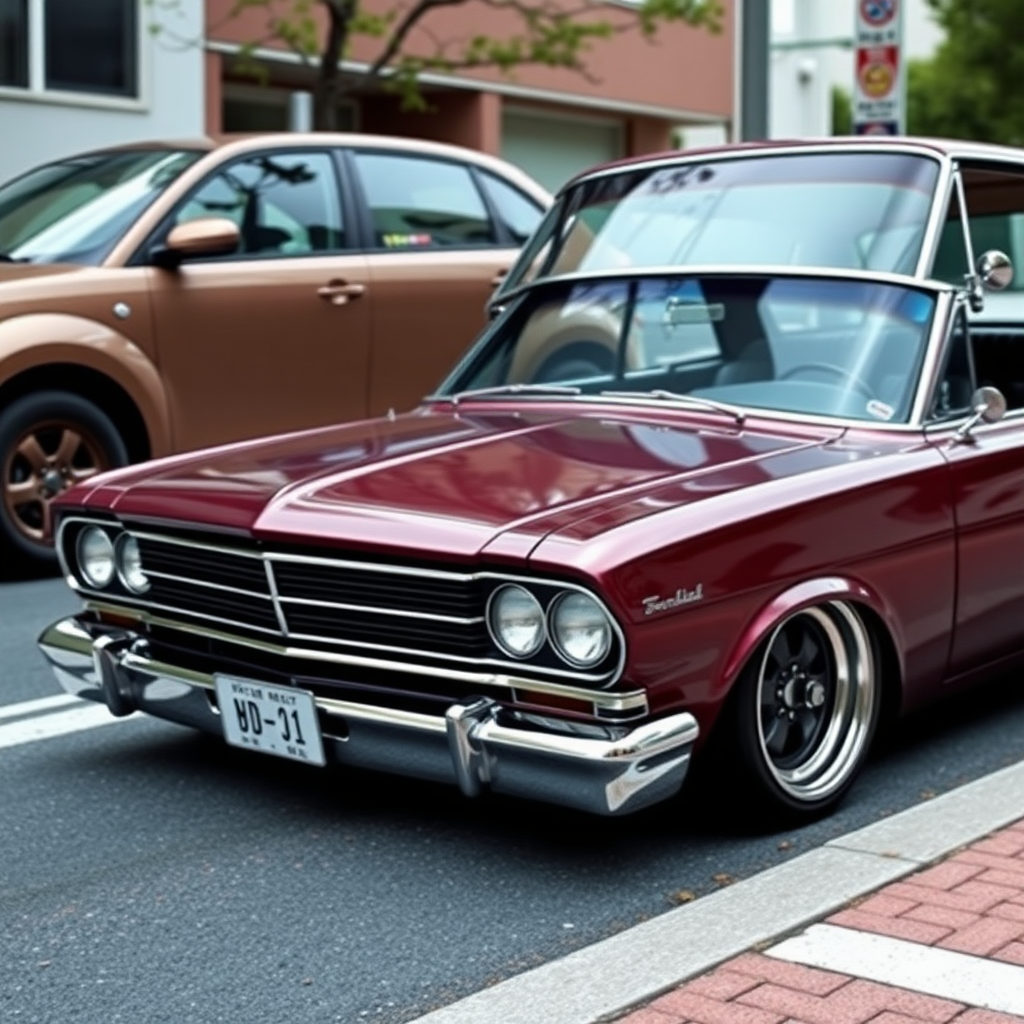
(733, 473)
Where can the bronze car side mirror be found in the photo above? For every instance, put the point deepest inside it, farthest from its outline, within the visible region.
(206, 236)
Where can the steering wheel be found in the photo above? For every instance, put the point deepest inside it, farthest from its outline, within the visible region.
(837, 371)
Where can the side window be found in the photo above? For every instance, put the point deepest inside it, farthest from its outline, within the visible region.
(1004, 231)
(995, 213)
(421, 203)
(285, 204)
(519, 214)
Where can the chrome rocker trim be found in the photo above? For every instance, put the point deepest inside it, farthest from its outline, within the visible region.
(473, 746)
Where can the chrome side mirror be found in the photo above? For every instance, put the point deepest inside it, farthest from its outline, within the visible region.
(989, 406)
(995, 270)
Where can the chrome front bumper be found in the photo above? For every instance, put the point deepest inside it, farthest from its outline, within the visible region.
(473, 745)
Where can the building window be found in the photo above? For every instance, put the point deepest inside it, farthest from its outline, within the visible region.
(70, 46)
(13, 43)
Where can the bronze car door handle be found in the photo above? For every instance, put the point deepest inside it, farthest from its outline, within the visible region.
(499, 277)
(339, 292)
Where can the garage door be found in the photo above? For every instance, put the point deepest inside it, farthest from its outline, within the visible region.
(554, 149)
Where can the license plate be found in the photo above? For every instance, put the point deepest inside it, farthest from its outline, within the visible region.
(271, 719)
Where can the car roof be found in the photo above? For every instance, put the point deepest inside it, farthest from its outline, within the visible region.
(242, 143)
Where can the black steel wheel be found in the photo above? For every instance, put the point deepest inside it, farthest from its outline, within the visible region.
(806, 709)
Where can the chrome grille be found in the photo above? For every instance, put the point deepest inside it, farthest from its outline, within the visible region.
(334, 601)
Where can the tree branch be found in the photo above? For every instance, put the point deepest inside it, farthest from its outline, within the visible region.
(402, 30)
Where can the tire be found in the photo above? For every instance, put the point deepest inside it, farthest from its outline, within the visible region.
(49, 440)
(804, 714)
(576, 362)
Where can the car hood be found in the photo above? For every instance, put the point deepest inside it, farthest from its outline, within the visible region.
(451, 484)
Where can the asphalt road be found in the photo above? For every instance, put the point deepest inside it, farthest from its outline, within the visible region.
(151, 874)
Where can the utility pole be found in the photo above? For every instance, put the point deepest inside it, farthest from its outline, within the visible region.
(754, 30)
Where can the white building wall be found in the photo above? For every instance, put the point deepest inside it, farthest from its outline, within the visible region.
(801, 76)
(35, 128)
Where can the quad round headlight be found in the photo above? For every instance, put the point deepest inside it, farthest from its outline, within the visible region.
(95, 552)
(129, 564)
(580, 629)
(516, 621)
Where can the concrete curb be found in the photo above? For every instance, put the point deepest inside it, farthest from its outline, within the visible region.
(605, 979)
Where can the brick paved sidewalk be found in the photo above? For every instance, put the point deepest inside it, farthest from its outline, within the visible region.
(970, 903)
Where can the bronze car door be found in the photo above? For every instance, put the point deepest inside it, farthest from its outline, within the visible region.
(436, 254)
(275, 336)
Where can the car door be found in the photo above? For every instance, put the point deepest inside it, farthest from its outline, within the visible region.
(987, 488)
(441, 233)
(275, 336)
(987, 466)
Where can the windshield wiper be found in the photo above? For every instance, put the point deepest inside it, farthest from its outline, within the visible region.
(738, 414)
(510, 389)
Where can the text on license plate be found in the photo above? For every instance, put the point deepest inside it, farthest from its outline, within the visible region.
(271, 719)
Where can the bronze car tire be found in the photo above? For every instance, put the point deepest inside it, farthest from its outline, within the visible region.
(49, 441)
(577, 362)
(805, 712)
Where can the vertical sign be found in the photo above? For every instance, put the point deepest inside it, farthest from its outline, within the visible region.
(879, 92)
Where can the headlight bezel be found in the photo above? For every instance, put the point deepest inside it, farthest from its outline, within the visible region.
(124, 573)
(495, 633)
(557, 641)
(82, 572)
(551, 657)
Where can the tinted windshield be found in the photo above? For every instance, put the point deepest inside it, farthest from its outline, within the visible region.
(75, 211)
(825, 347)
(864, 211)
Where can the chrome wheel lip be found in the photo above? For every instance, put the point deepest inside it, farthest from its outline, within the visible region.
(49, 479)
(841, 739)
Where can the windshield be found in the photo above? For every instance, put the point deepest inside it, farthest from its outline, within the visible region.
(852, 349)
(75, 211)
(847, 211)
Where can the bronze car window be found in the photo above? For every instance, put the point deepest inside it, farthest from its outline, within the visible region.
(422, 203)
(285, 204)
(76, 210)
(518, 213)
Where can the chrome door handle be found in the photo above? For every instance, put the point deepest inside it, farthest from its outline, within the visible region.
(339, 292)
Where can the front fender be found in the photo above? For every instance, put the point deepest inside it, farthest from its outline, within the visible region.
(803, 595)
(37, 340)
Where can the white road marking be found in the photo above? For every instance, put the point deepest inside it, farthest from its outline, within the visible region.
(58, 723)
(31, 707)
(988, 984)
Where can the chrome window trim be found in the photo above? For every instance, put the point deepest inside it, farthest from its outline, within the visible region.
(140, 602)
(945, 186)
(935, 349)
(735, 270)
(601, 699)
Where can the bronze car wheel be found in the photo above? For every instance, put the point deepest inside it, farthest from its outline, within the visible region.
(811, 700)
(48, 442)
(577, 362)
